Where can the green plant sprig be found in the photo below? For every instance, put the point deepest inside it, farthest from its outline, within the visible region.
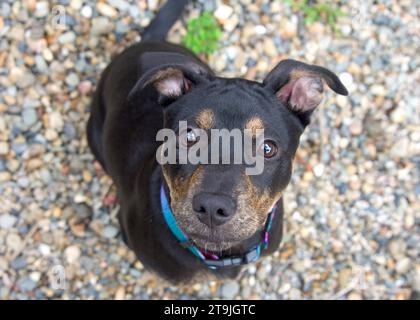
(203, 34)
(320, 11)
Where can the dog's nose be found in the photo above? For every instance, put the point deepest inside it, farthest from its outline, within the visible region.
(212, 209)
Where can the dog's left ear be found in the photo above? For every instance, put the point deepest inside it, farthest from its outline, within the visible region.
(170, 74)
(299, 86)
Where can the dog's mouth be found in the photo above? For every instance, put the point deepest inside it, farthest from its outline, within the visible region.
(213, 244)
(214, 241)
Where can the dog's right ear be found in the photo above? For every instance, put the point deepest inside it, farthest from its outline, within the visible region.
(170, 74)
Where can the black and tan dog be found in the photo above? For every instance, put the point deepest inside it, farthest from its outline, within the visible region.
(224, 212)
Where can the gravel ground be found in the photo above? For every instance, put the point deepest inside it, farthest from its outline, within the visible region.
(352, 208)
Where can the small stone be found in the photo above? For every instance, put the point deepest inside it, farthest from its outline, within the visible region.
(47, 54)
(7, 221)
(42, 9)
(346, 78)
(403, 265)
(397, 248)
(97, 226)
(72, 254)
(222, 13)
(4, 148)
(35, 276)
(86, 12)
(19, 263)
(69, 130)
(76, 4)
(101, 25)
(67, 37)
(72, 79)
(378, 90)
(77, 226)
(398, 115)
(110, 232)
(308, 176)
(26, 284)
(85, 87)
(270, 48)
(229, 289)
(356, 128)
(318, 170)
(29, 117)
(120, 293)
(344, 277)
(354, 296)
(231, 23)
(121, 5)
(106, 9)
(44, 249)
(152, 4)
(260, 30)
(288, 29)
(55, 121)
(14, 241)
(400, 149)
(409, 221)
(5, 176)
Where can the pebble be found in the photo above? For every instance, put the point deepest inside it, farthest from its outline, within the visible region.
(14, 241)
(85, 87)
(101, 25)
(44, 249)
(26, 284)
(5, 176)
(346, 78)
(229, 289)
(403, 265)
(4, 148)
(42, 9)
(378, 90)
(223, 12)
(18, 263)
(86, 12)
(270, 48)
(72, 254)
(67, 37)
(318, 170)
(110, 232)
(29, 117)
(72, 79)
(400, 149)
(356, 128)
(106, 9)
(121, 5)
(397, 248)
(7, 221)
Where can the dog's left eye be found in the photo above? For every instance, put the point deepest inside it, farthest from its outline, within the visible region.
(190, 137)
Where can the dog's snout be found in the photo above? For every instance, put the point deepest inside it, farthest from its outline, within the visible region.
(212, 209)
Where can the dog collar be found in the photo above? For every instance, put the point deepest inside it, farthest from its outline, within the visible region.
(210, 259)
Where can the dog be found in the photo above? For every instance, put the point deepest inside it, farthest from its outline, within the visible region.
(184, 221)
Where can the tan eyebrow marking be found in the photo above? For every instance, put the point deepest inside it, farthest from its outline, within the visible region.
(205, 119)
(253, 124)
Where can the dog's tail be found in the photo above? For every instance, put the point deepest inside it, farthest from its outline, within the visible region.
(163, 21)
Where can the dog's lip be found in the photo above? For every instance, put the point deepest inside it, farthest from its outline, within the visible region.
(212, 239)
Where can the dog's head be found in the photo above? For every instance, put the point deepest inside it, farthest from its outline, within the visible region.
(220, 205)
